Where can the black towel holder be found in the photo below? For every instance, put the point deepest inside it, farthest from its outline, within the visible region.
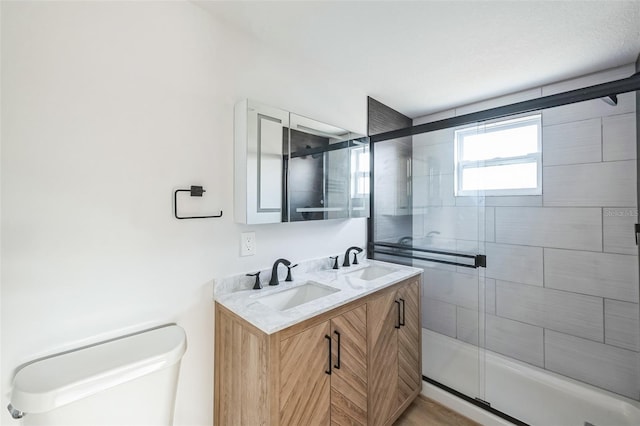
(195, 191)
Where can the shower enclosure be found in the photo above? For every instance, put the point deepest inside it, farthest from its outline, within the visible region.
(522, 218)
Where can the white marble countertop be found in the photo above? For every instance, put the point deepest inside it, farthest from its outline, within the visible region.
(246, 303)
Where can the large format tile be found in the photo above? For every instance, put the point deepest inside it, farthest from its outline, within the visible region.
(451, 287)
(619, 137)
(595, 363)
(467, 325)
(618, 231)
(588, 109)
(490, 295)
(614, 276)
(572, 143)
(609, 184)
(436, 157)
(621, 324)
(439, 316)
(514, 263)
(515, 339)
(572, 228)
(570, 313)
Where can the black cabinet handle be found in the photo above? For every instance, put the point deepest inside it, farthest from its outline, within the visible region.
(337, 366)
(398, 305)
(326, 336)
(402, 322)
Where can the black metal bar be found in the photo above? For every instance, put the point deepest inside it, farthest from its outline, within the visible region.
(371, 220)
(326, 336)
(616, 87)
(399, 321)
(426, 259)
(403, 311)
(195, 191)
(337, 366)
(481, 404)
(405, 247)
(481, 261)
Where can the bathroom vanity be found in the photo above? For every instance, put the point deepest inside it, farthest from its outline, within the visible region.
(333, 347)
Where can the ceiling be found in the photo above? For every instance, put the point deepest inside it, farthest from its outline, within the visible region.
(421, 57)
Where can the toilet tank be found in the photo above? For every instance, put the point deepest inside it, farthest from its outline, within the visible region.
(127, 381)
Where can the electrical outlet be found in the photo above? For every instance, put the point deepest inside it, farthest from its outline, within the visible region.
(247, 244)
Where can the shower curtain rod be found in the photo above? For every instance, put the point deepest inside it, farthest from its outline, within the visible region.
(603, 90)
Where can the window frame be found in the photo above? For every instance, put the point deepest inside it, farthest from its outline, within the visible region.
(494, 126)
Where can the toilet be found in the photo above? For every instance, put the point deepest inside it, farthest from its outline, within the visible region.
(126, 381)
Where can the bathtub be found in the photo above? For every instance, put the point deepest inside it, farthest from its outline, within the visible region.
(528, 393)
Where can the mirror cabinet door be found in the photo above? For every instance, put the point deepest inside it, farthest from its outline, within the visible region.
(318, 165)
(290, 168)
(262, 133)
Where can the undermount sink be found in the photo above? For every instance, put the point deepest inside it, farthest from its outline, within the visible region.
(296, 296)
(370, 273)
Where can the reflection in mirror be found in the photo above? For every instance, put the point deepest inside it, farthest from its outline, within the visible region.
(319, 181)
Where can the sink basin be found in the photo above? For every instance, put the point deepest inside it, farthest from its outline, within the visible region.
(296, 296)
(370, 273)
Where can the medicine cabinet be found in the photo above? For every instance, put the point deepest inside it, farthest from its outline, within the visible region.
(290, 168)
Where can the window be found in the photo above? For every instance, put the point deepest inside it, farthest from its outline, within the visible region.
(500, 158)
(360, 172)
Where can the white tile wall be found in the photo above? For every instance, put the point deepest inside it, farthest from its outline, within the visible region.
(571, 228)
(614, 276)
(572, 143)
(621, 324)
(451, 287)
(468, 325)
(515, 339)
(490, 296)
(561, 286)
(588, 109)
(439, 316)
(514, 263)
(606, 366)
(609, 184)
(570, 313)
(619, 137)
(618, 230)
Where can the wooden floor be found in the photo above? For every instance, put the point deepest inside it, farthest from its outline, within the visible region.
(426, 412)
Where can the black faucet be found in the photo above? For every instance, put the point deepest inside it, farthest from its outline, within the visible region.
(289, 268)
(257, 285)
(355, 256)
(274, 271)
(335, 262)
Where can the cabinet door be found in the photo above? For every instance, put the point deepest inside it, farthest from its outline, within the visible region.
(304, 384)
(382, 340)
(349, 376)
(409, 350)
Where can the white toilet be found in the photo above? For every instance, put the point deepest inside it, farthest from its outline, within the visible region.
(127, 381)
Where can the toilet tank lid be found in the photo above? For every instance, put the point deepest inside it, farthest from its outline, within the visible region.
(49, 383)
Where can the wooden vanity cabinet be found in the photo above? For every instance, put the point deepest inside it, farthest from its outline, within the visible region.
(394, 341)
(348, 366)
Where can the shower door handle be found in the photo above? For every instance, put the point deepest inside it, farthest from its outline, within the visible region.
(637, 229)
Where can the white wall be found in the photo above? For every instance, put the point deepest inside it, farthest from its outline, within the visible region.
(106, 109)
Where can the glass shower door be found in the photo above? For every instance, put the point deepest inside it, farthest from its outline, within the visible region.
(420, 222)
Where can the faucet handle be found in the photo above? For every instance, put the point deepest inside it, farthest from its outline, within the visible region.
(335, 263)
(257, 285)
(289, 268)
(355, 259)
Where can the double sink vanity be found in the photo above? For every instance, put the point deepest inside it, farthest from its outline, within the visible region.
(329, 347)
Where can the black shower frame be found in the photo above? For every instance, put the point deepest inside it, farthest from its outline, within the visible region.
(603, 90)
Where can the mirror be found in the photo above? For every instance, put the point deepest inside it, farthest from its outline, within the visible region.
(291, 168)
